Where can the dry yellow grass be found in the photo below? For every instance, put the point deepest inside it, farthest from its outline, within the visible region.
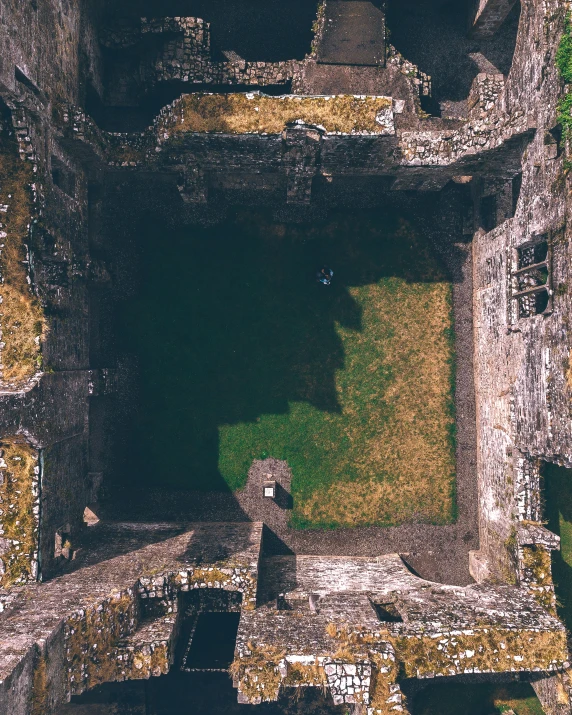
(569, 371)
(258, 673)
(21, 317)
(493, 649)
(92, 637)
(18, 520)
(411, 447)
(240, 114)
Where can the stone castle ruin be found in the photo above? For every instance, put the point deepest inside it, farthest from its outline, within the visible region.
(111, 116)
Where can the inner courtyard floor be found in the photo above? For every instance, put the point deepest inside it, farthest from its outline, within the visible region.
(245, 356)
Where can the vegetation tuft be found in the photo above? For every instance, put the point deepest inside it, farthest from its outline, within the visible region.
(262, 114)
(17, 519)
(21, 317)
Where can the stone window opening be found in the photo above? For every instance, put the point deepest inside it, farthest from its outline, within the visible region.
(387, 613)
(489, 212)
(63, 177)
(209, 629)
(63, 544)
(553, 142)
(24, 80)
(531, 290)
(516, 185)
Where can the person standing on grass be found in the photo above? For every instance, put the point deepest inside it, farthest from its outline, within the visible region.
(325, 275)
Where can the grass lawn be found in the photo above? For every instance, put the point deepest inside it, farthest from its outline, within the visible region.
(455, 698)
(243, 355)
(558, 494)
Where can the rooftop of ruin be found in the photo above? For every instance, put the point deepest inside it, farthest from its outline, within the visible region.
(365, 484)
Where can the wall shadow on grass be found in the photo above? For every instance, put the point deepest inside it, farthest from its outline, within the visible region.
(229, 324)
(211, 693)
(477, 699)
(558, 510)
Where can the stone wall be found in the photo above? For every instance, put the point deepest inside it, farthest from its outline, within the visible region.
(489, 15)
(54, 46)
(178, 49)
(19, 513)
(522, 388)
(377, 615)
(316, 633)
(424, 159)
(50, 54)
(115, 616)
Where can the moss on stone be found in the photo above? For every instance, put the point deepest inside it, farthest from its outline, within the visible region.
(156, 662)
(261, 114)
(484, 648)
(18, 497)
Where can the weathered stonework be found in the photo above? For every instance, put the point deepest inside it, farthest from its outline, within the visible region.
(353, 626)
(185, 56)
(19, 513)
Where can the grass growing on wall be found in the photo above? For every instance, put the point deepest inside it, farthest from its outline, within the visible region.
(21, 316)
(245, 356)
(252, 113)
(19, 524)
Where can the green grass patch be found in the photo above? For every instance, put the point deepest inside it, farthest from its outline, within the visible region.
(564, 64)
(564, 52)
(558, 493)
(482, 699)
(244, 355)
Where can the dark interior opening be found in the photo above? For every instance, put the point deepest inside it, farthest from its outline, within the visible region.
(557, 483)
(516, 187)
(471, 695)
(541, 301)
(430, 105)
(63, 177)
(27, 82)
(535, 304)
(214, 639)
(195, 694)
(94, 106)
(554, 136)
(489, 212)
(387, 613)
(532, 253)
(268, 31)
(433, 35)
